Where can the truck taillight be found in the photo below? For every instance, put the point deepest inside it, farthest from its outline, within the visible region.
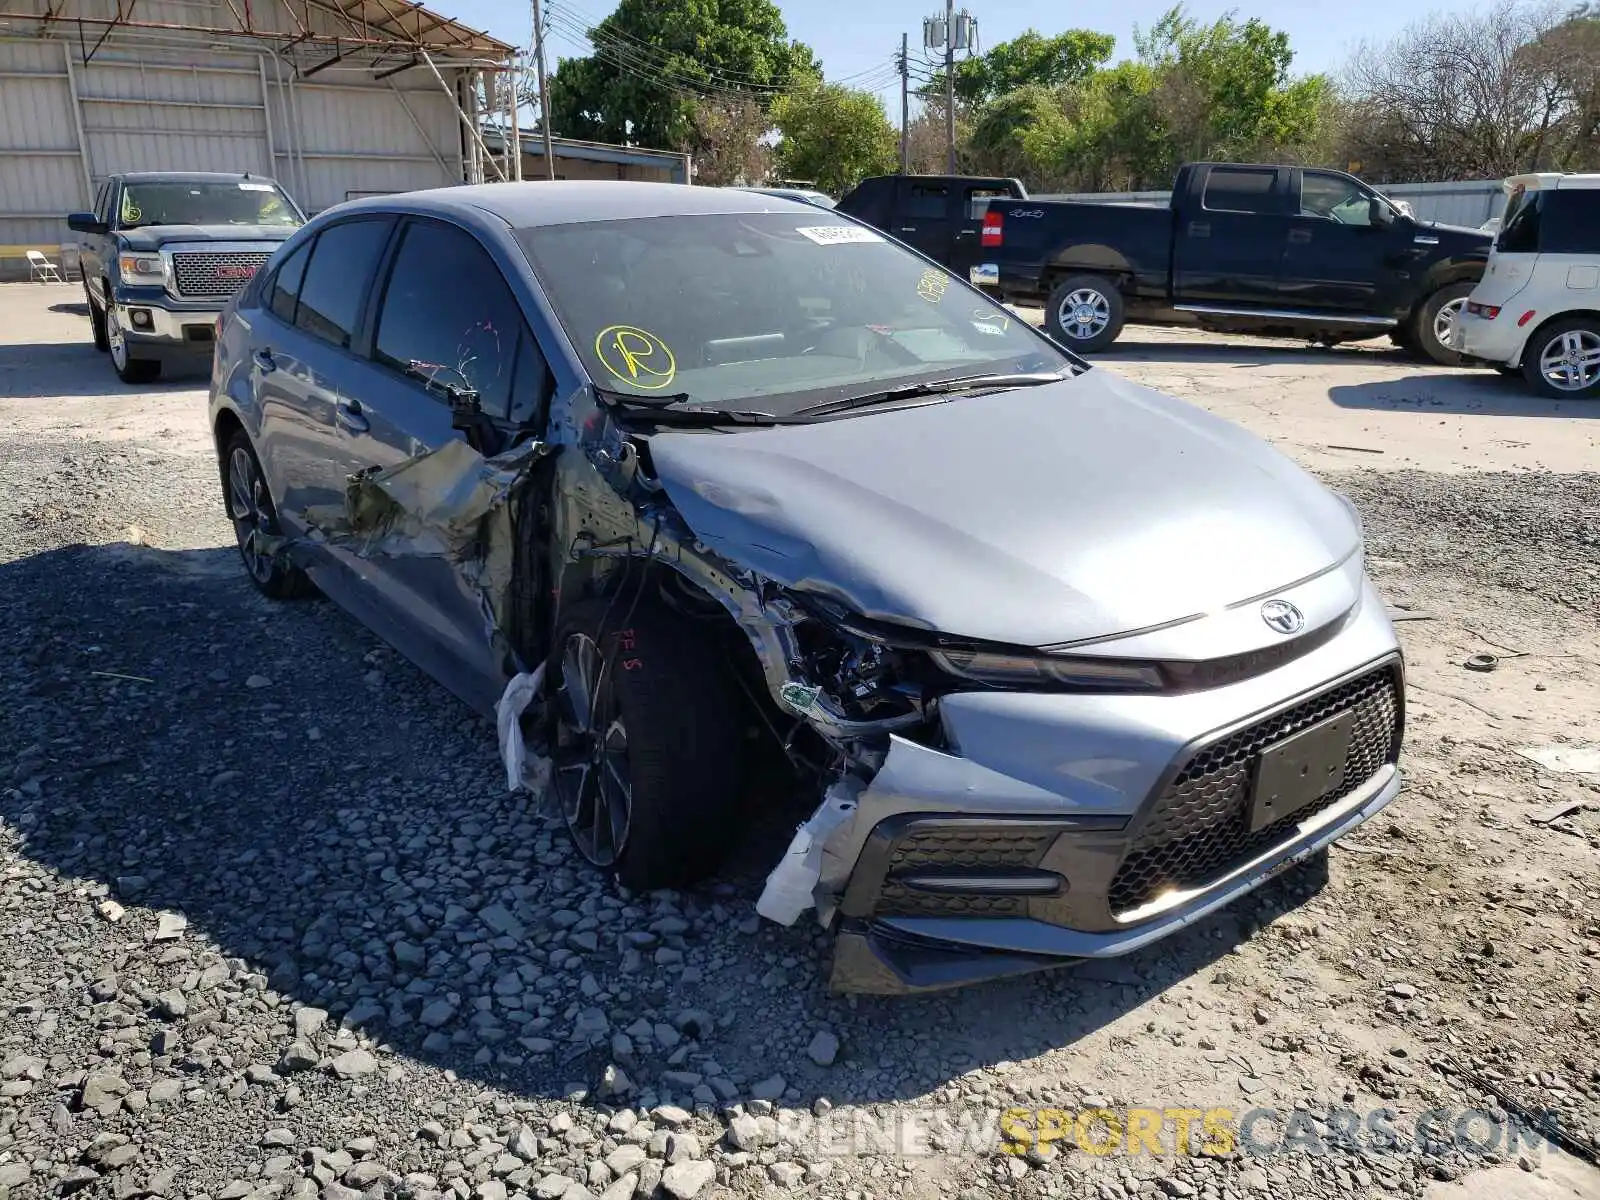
(993, 228)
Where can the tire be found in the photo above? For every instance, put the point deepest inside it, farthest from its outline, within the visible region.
(1092, 306)
(658, 751)
(1573, 343)
(250, 507)
(128, 368)
(1433, 317)
(97, 322)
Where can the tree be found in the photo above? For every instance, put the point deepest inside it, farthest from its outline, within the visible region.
(1030, 59)
(653, 60)
(833, 135)
(1023, 133)
(725, 139)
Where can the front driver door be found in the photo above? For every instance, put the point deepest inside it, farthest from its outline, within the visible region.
(1334, 257)
(446, 319)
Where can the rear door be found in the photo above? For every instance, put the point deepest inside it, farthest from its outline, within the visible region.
(924, 214)
(1334, 257)
(301, 362)
(445, 319)
(1229, 236)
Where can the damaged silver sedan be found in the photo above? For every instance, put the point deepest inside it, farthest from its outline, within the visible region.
(696, 488)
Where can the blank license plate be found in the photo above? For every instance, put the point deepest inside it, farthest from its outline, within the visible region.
(1300, 770)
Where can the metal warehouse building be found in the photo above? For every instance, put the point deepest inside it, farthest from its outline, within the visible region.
(334, 98)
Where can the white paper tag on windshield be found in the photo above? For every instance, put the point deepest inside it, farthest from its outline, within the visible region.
(255, 187)
(837, 235)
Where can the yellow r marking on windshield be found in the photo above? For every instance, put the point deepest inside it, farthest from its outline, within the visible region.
(931, 287)
(635, 356)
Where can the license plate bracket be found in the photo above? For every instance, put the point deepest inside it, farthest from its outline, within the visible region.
(1300, 769)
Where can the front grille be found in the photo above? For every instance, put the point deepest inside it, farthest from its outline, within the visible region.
(1199, 830)
(952, 849)
(215, 275)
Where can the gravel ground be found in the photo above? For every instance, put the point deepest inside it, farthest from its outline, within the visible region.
(274, 929)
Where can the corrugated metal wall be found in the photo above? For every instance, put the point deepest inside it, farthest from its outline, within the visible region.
(1469, 203)
(180, 101)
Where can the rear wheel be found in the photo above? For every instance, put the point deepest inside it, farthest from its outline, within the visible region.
(1433, 324)
(644, 742)
(1563, 359)
(128, 368)
(255, 522)
(1085, 312)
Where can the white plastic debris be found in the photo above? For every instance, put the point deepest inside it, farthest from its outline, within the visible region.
(514, 701)
(790, 886)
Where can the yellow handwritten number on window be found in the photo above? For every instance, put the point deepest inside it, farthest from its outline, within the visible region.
(636, 356)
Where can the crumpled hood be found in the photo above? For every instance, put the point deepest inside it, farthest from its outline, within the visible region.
(153, 237)
(1037, 516)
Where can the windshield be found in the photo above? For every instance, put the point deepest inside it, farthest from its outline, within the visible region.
(794, 308)
(247, 202)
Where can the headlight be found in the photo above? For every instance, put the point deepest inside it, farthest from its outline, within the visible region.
(1048, 671)
(142, 268)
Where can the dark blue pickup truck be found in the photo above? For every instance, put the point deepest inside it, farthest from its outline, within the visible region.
(164, 252)
(1243, 248)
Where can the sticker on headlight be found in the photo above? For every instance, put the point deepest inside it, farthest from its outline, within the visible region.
(636, 356)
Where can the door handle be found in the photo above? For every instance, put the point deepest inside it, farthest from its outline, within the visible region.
(1300, 236)
(908, 229)
(1199, 229)
(349, 416)
(265, 361)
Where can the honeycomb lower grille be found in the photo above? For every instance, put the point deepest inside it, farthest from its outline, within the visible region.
(1199, 828)
(215, 275)
(951, 848)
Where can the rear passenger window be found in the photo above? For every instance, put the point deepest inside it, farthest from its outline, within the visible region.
(1571, 222)
(978, 200)
(1242, 191)
(286, 284)
(338, 278)
(927, 200)
(1520, 233)
(448, 316)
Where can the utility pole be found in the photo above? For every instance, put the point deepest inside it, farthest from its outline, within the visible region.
(949, 85)
(905, 105)
(544, 91)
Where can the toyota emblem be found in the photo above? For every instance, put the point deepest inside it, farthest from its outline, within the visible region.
(1282, 616)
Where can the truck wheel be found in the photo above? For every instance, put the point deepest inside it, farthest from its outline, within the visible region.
(1562, 360)
(129, 369)
(97, 321)
(644, 742)
(1434, 322)
(1084, 312)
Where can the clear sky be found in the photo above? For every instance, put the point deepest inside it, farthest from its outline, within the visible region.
(856, 36)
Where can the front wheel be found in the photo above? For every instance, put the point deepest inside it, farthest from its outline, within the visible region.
(1085, 313)
(1562, 360)
(255, 523)
(128, 368)
(1434, 323)
(644, 742)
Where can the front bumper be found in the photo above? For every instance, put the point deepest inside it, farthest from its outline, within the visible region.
(1117, 821)
(157, 326)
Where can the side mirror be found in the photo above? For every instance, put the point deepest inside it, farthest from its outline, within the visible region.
(85, 222)
(1379, 214)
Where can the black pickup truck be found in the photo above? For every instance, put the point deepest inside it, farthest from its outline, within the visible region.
(1283, 251)
(164, 252)
(940, 215)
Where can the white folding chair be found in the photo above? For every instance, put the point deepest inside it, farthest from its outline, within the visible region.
(41, 269)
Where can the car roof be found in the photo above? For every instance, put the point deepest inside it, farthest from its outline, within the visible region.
(1551, 179)
(565, 201)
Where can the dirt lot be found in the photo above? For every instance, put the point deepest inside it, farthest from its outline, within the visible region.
(272, 927)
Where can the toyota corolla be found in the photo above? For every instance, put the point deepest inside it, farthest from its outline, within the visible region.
(687, 484)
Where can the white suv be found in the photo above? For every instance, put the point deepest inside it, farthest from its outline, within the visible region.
(1537, 307)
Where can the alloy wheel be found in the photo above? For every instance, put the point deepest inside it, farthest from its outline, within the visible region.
(590, 755)
(1084, 314)
(1444, 322)
(251, 511)
(1570, 362)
